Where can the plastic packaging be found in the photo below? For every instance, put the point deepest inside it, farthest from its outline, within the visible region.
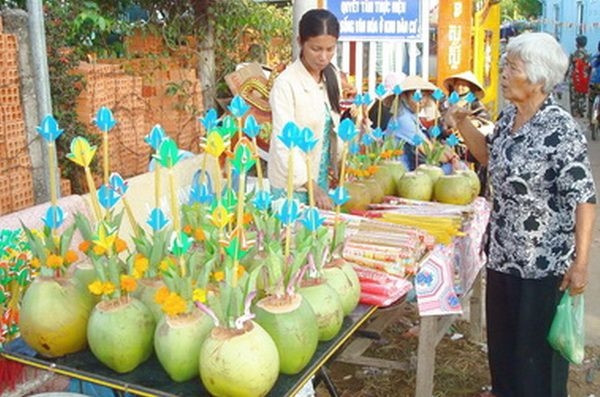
(567, 331)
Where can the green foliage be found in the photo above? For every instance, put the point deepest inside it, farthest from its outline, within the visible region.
(520, 9)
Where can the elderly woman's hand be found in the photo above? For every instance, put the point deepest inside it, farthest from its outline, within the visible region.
(575, 279)
(322, 199)
(455, 115)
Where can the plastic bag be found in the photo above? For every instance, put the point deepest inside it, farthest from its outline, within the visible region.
(567, 331)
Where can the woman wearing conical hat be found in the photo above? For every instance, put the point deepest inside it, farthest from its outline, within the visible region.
(464, 83)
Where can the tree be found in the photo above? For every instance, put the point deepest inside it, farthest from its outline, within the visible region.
(520, 9)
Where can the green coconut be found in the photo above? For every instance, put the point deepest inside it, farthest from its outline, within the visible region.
(177, 342)
(375, 190)
(397, 170)
(454, 189)
(54, 316)
(415, 186)
(293, 326)
(326, 305)
(432, 171)
(384, 176)
(340, 275)
(120, 333)
(146, 292)
(360, 197)
(239, 362)
(474, 179)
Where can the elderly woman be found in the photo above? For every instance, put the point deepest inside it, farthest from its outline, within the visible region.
(542, 217)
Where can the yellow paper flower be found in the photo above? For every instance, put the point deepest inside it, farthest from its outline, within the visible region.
(140, 265)
(199, 234)
(161, 295)
(108, 288)
(70, 257)
(218, 276)
(37, 233)
(220, 217)
(214, 144)
(128, 283)
(54, 261)
(99, 250)
(174, 305)
(96, 287)
(199, 295)
(82, 152)
(105, 237)
(34, 263)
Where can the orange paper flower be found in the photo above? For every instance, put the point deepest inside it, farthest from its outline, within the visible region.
(54, 261)
(120, 245)
(140, 265)
(161, 295)
(187, 229)
(35, 263)
(128, 283)
(199, 234)
(85, 246)
(70, 257)
(174, 305)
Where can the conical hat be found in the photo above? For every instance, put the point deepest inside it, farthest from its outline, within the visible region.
(416, 83)
(469, 77)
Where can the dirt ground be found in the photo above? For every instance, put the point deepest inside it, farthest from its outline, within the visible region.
(461, 366)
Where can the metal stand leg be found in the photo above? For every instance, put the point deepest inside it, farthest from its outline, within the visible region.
(323, 376)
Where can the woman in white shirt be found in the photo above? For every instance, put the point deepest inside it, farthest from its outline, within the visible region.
(308, 93)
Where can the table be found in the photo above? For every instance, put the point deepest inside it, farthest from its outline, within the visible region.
(149, 379)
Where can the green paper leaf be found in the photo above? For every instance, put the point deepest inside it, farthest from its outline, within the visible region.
(168, 153)
(242, 160)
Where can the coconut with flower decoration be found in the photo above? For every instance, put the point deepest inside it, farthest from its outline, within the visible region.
(54, 311)
(238, 357)
(283, 312)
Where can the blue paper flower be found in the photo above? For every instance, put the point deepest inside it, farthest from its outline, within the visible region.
(117, 183)
(251, 127)
(453, 98)
(54, 217)
(417, 140)
(392, 125)
(366, 99)
(48, 129)
(105, 119)
(339, 195)
(155, 137)
(202, 194)
(238, 107)
(435, 131)
(358, 100)
(367, 139)
(452, 140)
(157, 219)
(262, 200)
(417, 96)
(288, 212)
(312, 219)
(347, 130)
(470, 97)
(377, 133)
(437, 94)
(354, 148)
(397, 90)
(289, 134)
(107, 197)
(209, 121)
(380, 90)
(306, 140)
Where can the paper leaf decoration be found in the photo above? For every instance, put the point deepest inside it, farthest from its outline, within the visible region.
(105, 120)
(289, 212)
(435, 131)
(347, 130)
(417, 140)
(234, 250)
(157, 219)
(437, 94)
(54, 217)
(48, 129)
(180, 243)
(470, 97)
(397, 90)
(367, 139)
(354, 148)
(251, 127)
(107, 197)
(168, 153)
(306, 140)
(228, 128)
(229, 199)
(209, 121)
(339, 195)
(82, 152)
(262, 200)
(242, 160)
(380, 90)
(312, 219)
(366, 99)
(238, 107)
(377, 133)
(289, 134)
(155, 137)
(453, 98)
(358, 100)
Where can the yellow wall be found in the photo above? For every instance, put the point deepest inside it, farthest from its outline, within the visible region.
(486, 39)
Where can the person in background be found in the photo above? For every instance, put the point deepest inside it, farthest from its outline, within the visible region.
(579, 72)
(542, 217)
(308, 93)
(594, 78)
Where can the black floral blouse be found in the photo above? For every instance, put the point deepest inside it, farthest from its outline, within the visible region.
(538, 175)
